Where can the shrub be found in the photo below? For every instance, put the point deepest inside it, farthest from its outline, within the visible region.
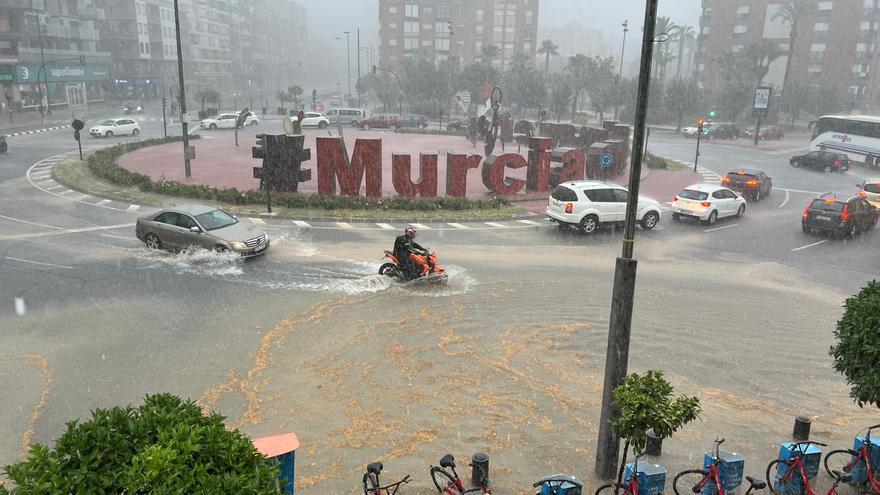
(655, 162)
(103, 163)
(167, 445)
(857, 352)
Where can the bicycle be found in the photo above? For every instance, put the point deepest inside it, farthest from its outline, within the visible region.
(794, 467)
(851, 462)
(839, 477)
(632, 486)
(372, 485)
(695, 480)
(559, 484)
(451, 484)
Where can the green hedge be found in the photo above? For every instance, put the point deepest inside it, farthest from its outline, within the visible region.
(103, 163)
(167, 445)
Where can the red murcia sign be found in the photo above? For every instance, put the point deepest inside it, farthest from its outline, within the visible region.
(341, 173)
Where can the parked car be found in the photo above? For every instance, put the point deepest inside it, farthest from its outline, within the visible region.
(690, 131)
(416, 121)
(380, 121)
(765, 133)
(3, 146)
(201, 226)
(751, 183)
(314, 119)
(840, 217)
(588, 204)
(115, 127)
(457, 125)
(721, 131)
(870, 190)
(220, 121)
(822, 160)
(131, 107)
(708, 203)
(251, 119)
(345, 115)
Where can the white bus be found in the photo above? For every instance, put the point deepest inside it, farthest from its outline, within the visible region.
(857, 136)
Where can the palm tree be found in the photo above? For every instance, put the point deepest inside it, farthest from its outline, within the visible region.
(684, 34)
(548, 49)
(489, 53)
(759, 56)
(792, 12)
(664, 26)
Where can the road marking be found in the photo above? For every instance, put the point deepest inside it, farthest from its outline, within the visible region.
(30, 223)
(102, 202)
(20, 308)
(257, 221)
(420, 226)
(300, 223)
(786, 198)
(68, 191)
(65, 231)
(42, 176)
(529, 222)
(52, 265)
(344, 225)
(120, 237)
(496, 224)
(133, 207)
(385, 226)
(59, 186)
(816, 193)
(810, 245)
(457, 225)
(721, 228)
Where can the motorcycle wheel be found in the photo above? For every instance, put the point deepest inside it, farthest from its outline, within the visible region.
(389, 269)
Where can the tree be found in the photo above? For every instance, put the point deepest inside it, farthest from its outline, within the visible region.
(759, 55)
(523, 84)
(208, 96)
(796, 99)
(684, 35)
(662, 56)
(857, 352)
(167, 445)
(738, 86)
(561, 93)
(793, 12)
(488, 54)
(295, 91)
(682, 98)
(548, 49)
(645, 403)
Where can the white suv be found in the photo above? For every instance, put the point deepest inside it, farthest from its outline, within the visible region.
(587, 204)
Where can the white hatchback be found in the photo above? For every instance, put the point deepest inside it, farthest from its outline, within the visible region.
(708, 203)
(870, 190)
(314, 119)
(587, 204)
(115, 127)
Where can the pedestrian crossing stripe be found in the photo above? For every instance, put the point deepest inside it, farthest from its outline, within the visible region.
(257, 221)
(458, 225)
(133, 207)
(300, 223)
(420, 226)
(385, 226)
(529, 222)
(344, 225)
(496, 224)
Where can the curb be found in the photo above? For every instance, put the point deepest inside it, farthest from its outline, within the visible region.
(47, 129)
(523, 216)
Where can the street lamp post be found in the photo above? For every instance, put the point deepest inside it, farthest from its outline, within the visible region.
(619, 328)
(620, 71)
(184, 118)
(44, 88)
(358, 85)
(348, 62)
(399, 90)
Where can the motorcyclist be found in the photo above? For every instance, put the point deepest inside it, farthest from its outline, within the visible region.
(412, 256)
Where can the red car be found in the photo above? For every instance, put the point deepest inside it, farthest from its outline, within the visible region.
(380, 121)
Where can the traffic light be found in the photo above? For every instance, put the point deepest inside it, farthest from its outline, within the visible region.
(164, 102)
(259, 150)
(451, 30)
(701, 123)
(711, 113)
(374, 70)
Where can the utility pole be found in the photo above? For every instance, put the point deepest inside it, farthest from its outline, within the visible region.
(700, 124)
(619, 328)
(620, 71)
(358, 85)
(348, 63)
(183, 116)
(45, 86)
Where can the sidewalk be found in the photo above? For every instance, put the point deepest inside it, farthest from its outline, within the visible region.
(29, 121)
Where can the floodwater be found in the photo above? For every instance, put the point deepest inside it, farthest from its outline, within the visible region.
(508, 359)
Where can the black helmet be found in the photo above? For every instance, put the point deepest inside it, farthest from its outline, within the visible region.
(409, 229)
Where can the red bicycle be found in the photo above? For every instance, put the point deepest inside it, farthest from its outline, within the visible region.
(450, 483)
(695, 480)
(859, 465)
(794, 480)
(372, 485)
(632, 486)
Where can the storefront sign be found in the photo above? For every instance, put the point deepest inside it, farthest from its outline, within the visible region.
(60, 72)
(6, 72)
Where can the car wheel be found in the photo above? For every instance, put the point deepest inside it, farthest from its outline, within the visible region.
(741, 211)
(827, 169)
(757, 196)
(213, 127)
(254, 122)
(219, 248)
(3, 147)
(108, 134)
(588, 224)
(393, 128)
(805, 229)
(354, 123)
(649, 221)
(676, 217)
(322, 125)
(152, 241)
(795, 164)
(365, 127)
(713, 218)
(135, 132)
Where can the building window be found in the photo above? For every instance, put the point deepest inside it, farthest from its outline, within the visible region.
(740, 29)
(742, 10)
(411, 10)
(817, 48)
(426, 42)
(441, 44)
(736, 48)
(704, 30)
(392, 10)
(410, 27)
(410, 43)
(529, 17)
(868, 4)
(824, 6)
(820, 26)
(865, 25)
(527, 48)
(442, 27)
(427, 27)
(479, 29)
(443, 11)
(392, 42)
(479, 16)
(392, 25)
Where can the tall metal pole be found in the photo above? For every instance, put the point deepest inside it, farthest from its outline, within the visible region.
(697, 154)
(164, 119)
(183, 116)
(617, 354)
(620, 71)
(45, 86)
(358, 85)
(348, 62)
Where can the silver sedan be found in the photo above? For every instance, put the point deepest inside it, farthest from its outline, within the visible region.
(202, 226)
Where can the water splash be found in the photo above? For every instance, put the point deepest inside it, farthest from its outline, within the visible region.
(196, 261)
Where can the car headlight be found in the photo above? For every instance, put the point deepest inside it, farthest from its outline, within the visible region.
(238, 245)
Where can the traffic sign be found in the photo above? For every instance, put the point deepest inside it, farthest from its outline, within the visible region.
(606, 160)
